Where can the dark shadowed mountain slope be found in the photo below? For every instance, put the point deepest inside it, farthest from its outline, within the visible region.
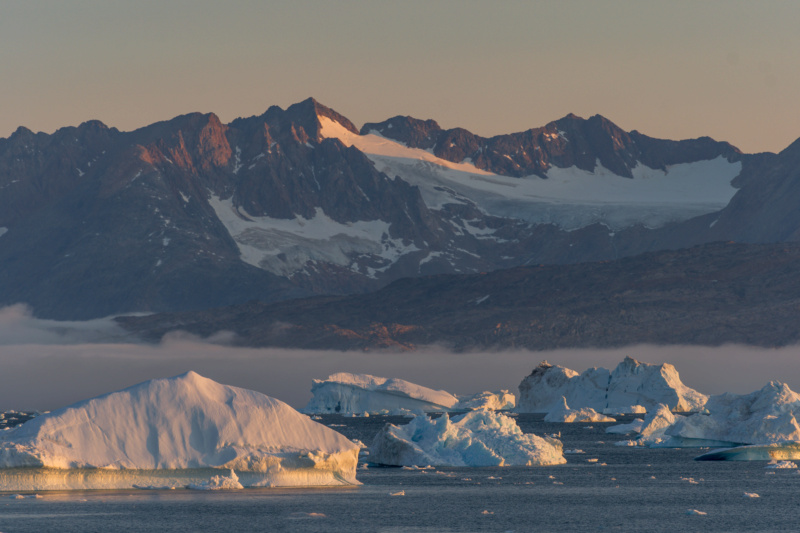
(712, 294)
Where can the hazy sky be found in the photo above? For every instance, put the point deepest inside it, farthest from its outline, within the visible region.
(673, 69)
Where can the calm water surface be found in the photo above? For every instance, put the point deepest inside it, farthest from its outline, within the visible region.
(635, 490)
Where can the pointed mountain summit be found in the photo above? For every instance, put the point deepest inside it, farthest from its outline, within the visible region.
(191, 213)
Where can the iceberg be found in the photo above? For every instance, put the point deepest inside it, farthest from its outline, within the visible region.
(493, 401)
(175, 432)
(584, 414)
(766, 416)
(477, 438)
(784, 451)
(630, 386)
(346, 393)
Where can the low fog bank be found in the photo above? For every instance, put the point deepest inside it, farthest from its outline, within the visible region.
(45, 364)
(19, 326)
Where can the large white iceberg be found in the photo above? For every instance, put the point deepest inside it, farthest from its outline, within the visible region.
(347, 393)
(174, 432)
(478, 438)
(630, 384)
(764, 417)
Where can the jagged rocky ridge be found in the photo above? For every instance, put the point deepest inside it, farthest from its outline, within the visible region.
(192, 213)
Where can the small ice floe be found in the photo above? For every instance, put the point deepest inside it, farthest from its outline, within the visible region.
(751, 495)
(154, 487)
(363, 466)
(218, 483)
(301, 515)
(398, 493)
(781, 464)
(466, 479)
(695, 512)
(24, 496)
(485, 512)
(415, 467)
(592, 460)
(557, 483)
(551, 477)
(563, 413)
(624, 429)
(630, 443)
(359, 443)
(494, 477)
(691, 480)
(574, 451)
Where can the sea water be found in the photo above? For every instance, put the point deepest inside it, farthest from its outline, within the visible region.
(604, 488)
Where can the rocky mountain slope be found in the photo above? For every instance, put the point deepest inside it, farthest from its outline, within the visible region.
(711, 294)
(191, 213)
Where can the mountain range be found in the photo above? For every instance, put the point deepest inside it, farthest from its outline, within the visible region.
(299, 207)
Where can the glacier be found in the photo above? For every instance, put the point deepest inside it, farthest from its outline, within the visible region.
(477, 438)
(347, 393)
(629, 385)
(175, 432)
(570, 198)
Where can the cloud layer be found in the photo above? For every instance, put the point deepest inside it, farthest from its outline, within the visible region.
(46, 364)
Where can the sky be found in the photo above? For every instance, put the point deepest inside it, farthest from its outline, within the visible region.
(673, 69)
(728, 69)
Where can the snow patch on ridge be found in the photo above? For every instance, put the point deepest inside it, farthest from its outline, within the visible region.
(285, 246)
(570, 198)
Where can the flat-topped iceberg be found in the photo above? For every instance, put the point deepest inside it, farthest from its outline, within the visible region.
(174, 432)
(347, 393)
(630, 384)
(478, 438)
(764, 417)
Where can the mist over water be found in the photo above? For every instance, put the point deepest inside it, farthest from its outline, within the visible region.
(46, 364)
